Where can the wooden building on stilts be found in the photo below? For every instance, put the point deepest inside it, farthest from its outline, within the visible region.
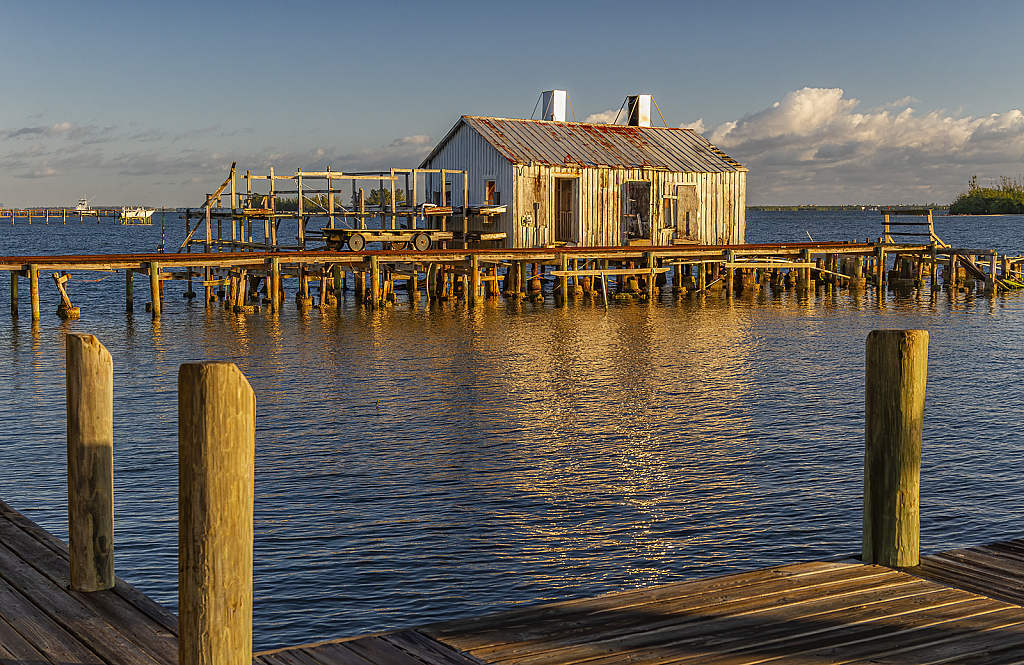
(551, 182)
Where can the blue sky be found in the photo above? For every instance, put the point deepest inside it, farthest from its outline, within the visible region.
(825, 102)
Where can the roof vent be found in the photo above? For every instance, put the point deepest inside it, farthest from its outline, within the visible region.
(639, 109)
(554, 105)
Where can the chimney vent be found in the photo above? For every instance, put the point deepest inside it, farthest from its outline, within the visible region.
(639, 108)
(553, 104)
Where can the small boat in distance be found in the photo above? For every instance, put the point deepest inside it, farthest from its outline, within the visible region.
(136, 215)
(83, 208)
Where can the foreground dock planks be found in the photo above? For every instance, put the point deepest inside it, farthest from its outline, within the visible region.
(43, 621)
(961, 606)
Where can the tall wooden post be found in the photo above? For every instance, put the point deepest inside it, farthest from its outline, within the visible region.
(90, 441)
(730, 257)
(275, 284)
(216, 453)
(14, 294)
(896, 374)
(33, 287)
(129, 291)
(154, 288)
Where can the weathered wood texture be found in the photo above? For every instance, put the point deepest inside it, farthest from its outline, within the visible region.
(819, 612)
(216, 457)
(43, 620)
(90, 443)
(895, 377)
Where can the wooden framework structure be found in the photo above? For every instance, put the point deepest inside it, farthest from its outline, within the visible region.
(397, 216)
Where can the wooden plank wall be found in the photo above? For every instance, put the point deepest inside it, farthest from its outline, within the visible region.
(721, 196)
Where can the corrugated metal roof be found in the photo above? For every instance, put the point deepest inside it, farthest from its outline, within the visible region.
(593, 145)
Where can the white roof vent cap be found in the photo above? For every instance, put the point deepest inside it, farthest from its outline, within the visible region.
(553, 105)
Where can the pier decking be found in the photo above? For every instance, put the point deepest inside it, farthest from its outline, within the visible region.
(961, 606)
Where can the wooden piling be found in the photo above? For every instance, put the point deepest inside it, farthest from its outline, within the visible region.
(14, 294)
(730, 284)
(474, 291)
(896, 374)
(90, 444)
(275, 284)
(129, 291)
(33, 287)
(336, 274)
(154, 288)
(216, 453)
(374, 299)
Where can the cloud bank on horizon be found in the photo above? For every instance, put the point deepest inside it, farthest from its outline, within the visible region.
(812, 146)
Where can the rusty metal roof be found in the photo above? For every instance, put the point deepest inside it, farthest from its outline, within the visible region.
(595, 145)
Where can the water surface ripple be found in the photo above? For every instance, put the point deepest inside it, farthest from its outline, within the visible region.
(430, 462)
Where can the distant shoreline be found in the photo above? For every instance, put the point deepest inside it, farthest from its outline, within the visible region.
(849, 208)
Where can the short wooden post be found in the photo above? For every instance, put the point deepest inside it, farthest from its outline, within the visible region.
(896, 374)
(216, 453)
(154, 287)
(90, 442)
(275, 284)
(730, 284)
(14, 294)
(33, 287)
(336, 275)
(563, 281)
(474, 291)
(129, 294)
(374, 299)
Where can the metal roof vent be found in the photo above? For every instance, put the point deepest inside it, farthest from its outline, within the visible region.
(639, 109)
(553, 102)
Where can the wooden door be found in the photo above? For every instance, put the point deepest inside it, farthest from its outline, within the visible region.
(636, 219)
(686, 212)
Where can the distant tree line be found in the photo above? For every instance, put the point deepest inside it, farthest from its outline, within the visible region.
(1006, 198)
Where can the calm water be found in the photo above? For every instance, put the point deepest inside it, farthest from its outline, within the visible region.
(428, 462)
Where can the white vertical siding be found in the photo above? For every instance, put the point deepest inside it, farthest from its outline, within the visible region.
(721, 197)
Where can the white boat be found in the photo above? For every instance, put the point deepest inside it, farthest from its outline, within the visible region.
(137, 215)
(83, 207)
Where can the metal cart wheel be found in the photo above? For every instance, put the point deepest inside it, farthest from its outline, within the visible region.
(421, 241)
(356, 242)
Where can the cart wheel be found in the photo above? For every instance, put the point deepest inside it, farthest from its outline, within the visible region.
(356, 242)
(399, 245)
(421, 241)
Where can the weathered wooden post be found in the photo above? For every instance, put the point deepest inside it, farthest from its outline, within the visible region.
(474, 291)
(129, 292)
(336, 275)
(374, 299)
(896, 374)
(216, 451)
(154, 287)
(90, 442)
(275, 284)
(14, 294)
(33, 287)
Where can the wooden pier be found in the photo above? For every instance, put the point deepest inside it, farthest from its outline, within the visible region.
(961, 606)
(62, 215)
(232, 279)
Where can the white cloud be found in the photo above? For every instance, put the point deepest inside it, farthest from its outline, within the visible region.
(812, 145)
(417, 139)
(697, 126)
(607, 117)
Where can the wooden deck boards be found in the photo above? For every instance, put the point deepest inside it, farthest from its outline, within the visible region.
(963, 606)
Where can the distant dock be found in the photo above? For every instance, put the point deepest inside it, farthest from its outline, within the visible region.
(62, 215)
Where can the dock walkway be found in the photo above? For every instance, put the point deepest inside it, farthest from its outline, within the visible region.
(961, 606)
